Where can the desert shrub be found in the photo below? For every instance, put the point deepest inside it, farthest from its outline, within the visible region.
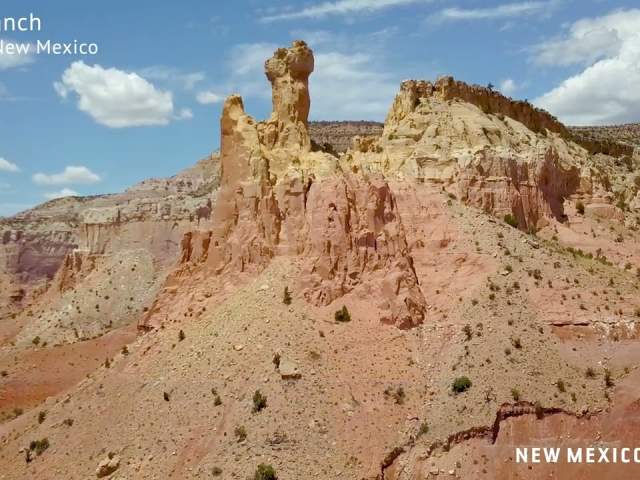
(424, 429)
(343, 315)
(265, 472)
(515, 394)
(461, 384)
(560, 385)
(36, 340)
(286, 299)
(216, 471)
(608, 378)
(42, 415)
(259, 401)
(399, 395)
(241, 433)
(68, 422)
(467, 332)
(590, 372)
(39, 446)
(580, 207)
(511, 220)
(539, 410)
(517, 343)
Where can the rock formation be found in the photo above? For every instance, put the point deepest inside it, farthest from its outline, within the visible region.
(277, 197)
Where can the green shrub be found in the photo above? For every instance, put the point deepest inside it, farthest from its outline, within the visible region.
(240, 433)
(39, 446)
(461, 384)
(511, 220)
(265, 472)
(515, 394)
(259, 401)
(343, 315)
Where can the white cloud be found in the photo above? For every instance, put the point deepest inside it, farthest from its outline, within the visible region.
(184, 114)
(348, 87)
(606, 91)
(589, 39)
(116, 98)
(71, 175)
(508, 10)
(17, 59)
(508, 86)
(339, 7)
(65, 192)
(7, 166)
(208, 97)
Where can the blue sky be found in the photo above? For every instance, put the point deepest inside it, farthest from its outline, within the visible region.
(148, 104)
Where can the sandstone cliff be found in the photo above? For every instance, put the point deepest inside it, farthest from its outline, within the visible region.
(278, 197)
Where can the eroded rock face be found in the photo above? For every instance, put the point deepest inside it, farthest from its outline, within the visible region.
(497, 154)
(288, 71)
(279, 198)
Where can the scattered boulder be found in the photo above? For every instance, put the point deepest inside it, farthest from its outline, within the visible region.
(107, 466)
(288, 369)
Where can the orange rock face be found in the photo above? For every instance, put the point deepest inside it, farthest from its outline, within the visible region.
(278, 198)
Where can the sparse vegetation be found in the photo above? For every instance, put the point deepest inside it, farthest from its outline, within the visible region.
(265, 472)
(42, 415)
(515, 394)
(181, 335)
(561, 386)
(423, 429)
(511, 220)
(259, 401)
(461, 384)
(608, 378)
(590, 372)
(287, 296)
(580, 207)
(241, 433)
(39, 446)
(468, 333)
(343, 315)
